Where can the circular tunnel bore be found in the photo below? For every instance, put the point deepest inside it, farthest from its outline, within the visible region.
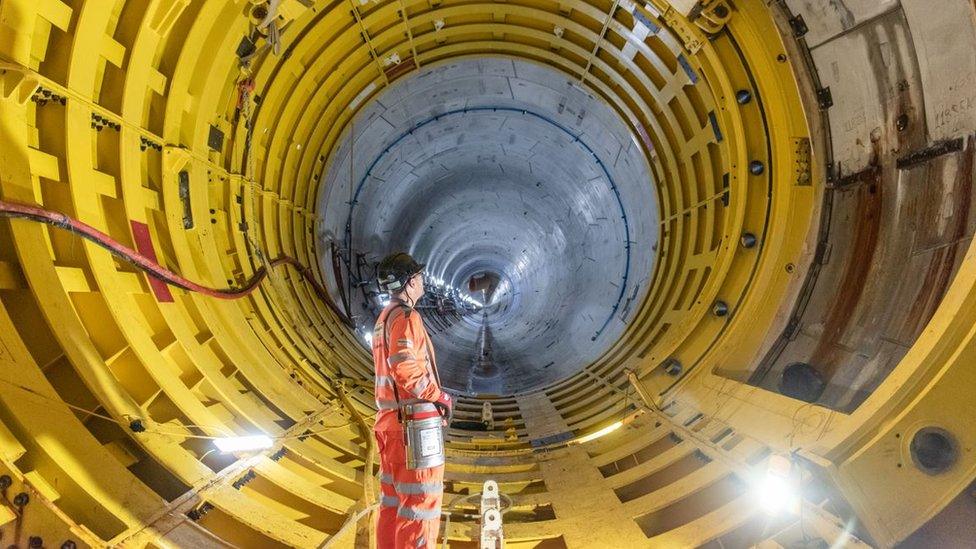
(181, 123)
(505, 167)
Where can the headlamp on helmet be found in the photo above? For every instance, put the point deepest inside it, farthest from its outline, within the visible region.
(395, 270)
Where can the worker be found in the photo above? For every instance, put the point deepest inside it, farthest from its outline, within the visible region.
(411, 412)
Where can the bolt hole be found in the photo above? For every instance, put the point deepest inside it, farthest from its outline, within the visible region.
(802, 382)
(933, 450)
(901, 123)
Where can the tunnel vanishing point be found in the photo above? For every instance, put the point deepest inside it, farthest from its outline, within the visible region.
(700, 272)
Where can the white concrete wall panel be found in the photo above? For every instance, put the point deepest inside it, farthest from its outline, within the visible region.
(866, 69)
(944, 33)
(826, 19)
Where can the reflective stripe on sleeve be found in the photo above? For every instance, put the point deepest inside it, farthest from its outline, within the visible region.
(408, 343)
(421, 385)
(397, 358)
(386, 478)
(420, 405)
(389, 501)
(386, 404)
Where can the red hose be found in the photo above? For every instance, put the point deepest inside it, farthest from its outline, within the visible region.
(155, 270)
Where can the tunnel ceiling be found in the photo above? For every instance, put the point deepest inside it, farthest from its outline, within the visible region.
(505, 167)
(805, 168)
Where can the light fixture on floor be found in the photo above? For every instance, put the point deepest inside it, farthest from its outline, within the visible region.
(602, 432)
(777, 491)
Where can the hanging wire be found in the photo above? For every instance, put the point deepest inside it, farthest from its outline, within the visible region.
(153, 268)
(353, 519)
(157, 431)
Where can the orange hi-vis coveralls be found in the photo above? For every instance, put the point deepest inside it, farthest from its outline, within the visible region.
(410, 500)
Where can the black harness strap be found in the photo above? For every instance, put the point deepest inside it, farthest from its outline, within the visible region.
(386, 346)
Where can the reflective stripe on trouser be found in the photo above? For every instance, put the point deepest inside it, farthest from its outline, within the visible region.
(388, 497)
(413, 520)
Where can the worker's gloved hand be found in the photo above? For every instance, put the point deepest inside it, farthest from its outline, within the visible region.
(445, 405)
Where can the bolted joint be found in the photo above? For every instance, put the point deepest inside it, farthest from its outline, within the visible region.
(247, 477)
(199, 512)
(748, 240)
(720, 308)
(672, 366)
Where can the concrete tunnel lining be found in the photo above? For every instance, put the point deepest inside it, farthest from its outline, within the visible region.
(504, 166)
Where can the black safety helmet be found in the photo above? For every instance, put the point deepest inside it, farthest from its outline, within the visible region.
(395, 270)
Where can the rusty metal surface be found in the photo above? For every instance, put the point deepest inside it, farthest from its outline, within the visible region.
(895, 242)
(900, 200)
